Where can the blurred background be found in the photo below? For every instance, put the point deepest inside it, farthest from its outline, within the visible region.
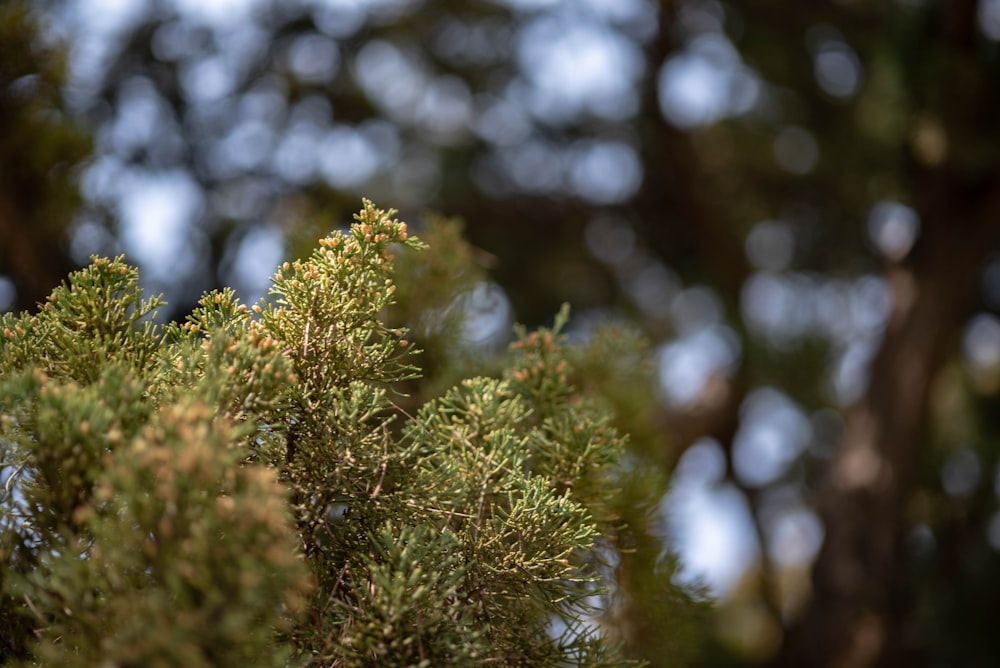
(797, 203)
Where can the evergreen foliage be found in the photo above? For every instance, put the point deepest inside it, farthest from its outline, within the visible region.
(43, 150)
(244, 488)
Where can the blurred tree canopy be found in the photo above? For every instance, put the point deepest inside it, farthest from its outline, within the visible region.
(798, 203)
(41, 150)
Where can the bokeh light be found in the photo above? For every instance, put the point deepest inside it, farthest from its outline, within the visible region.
(893, 228)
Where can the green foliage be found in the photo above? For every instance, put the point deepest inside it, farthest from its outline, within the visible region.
(127, 509)
(243, 487)
(429, 305)
(42, 149)
(656, 619)
(183, 557)
(762, 212)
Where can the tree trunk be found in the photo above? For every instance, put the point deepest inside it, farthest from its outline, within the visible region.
(859, 613)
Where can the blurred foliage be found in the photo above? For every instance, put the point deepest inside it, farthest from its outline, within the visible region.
(237, 489)
(41, 149)
(797, 204)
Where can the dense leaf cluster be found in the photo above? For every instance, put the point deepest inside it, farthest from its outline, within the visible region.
(244, 487)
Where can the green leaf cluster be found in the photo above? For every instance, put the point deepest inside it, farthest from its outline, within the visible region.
(132, 533)
(244, 487)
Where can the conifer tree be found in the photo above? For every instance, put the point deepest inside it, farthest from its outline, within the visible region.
(247, 487)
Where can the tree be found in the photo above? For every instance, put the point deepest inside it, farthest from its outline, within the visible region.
(237, 489)
(43, 150)
(795, 202)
